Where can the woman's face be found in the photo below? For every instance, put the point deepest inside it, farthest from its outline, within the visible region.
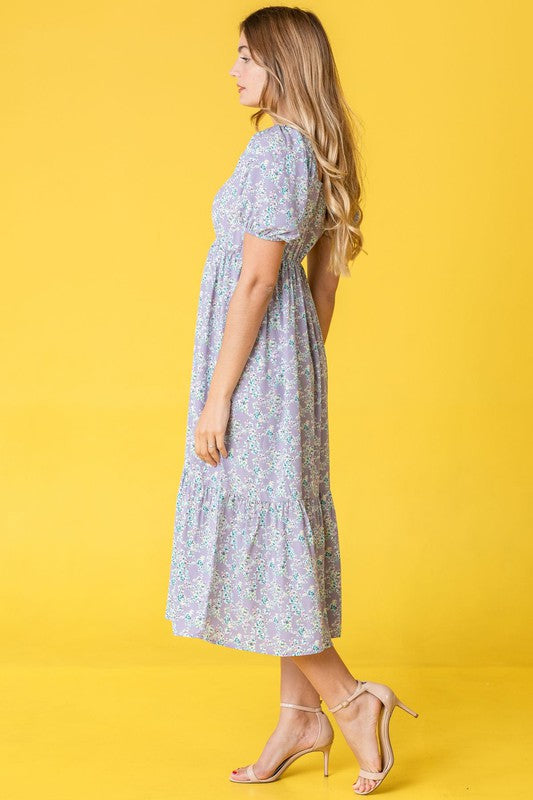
(248, 74)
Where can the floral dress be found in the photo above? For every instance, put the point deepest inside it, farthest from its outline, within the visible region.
(255, 561)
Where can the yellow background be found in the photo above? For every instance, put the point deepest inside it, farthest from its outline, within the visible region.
(119, 123)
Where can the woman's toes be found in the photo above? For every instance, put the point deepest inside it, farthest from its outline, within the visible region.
(364, 784)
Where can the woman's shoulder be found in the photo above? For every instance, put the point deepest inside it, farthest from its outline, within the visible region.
(276, 140)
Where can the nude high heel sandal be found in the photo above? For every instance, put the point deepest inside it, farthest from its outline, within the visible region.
(323, 742)
(389, 701)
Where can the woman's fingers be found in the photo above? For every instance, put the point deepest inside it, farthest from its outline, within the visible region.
(209, 447)
(210, 431)
(212, 450)
(202, 450)
(221, 446)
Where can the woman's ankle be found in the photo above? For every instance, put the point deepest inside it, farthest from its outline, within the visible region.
(296, 716)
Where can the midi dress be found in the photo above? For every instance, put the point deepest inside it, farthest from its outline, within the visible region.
(255, 561)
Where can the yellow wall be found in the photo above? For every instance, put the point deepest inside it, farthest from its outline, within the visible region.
(119, 123)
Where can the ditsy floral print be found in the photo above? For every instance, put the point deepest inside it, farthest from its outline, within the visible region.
(255, 561)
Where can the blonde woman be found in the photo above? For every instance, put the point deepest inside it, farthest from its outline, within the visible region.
(255, 560)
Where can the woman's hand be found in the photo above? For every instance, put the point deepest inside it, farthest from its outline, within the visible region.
(211, 428)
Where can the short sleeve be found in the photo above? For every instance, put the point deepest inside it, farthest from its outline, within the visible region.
(275, 185)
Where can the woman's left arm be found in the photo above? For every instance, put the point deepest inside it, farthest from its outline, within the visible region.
(261, 260)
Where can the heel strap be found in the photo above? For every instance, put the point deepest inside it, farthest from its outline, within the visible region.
(347, 700)
(302, 708)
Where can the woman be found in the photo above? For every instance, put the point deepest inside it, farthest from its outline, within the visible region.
(255, 560)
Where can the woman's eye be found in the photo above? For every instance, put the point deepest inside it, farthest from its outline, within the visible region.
(245, 59)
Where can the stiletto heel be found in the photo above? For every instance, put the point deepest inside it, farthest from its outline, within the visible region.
(326, 759)
(406, 708)
(389, 702)
(323, 742)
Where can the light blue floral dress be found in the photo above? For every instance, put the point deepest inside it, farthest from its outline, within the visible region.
(255, 561)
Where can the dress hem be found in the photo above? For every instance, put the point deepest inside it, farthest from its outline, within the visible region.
(213, 640)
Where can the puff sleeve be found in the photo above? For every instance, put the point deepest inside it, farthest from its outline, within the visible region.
(275, 186)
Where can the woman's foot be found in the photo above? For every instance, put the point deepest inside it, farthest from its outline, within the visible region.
(296, 730)
(357, 722)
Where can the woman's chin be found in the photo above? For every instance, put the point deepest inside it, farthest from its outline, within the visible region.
(246, 102)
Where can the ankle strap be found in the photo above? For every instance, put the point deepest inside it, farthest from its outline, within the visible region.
(302, 708)
(347, 700)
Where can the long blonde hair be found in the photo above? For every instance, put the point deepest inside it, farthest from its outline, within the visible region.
(293, 48)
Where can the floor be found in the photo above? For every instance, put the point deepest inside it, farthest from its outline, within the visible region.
(160, 732)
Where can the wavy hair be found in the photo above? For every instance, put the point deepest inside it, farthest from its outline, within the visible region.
(292, 46)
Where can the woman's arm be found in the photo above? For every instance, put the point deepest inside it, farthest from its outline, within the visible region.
(322, 282)
(261, 260)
